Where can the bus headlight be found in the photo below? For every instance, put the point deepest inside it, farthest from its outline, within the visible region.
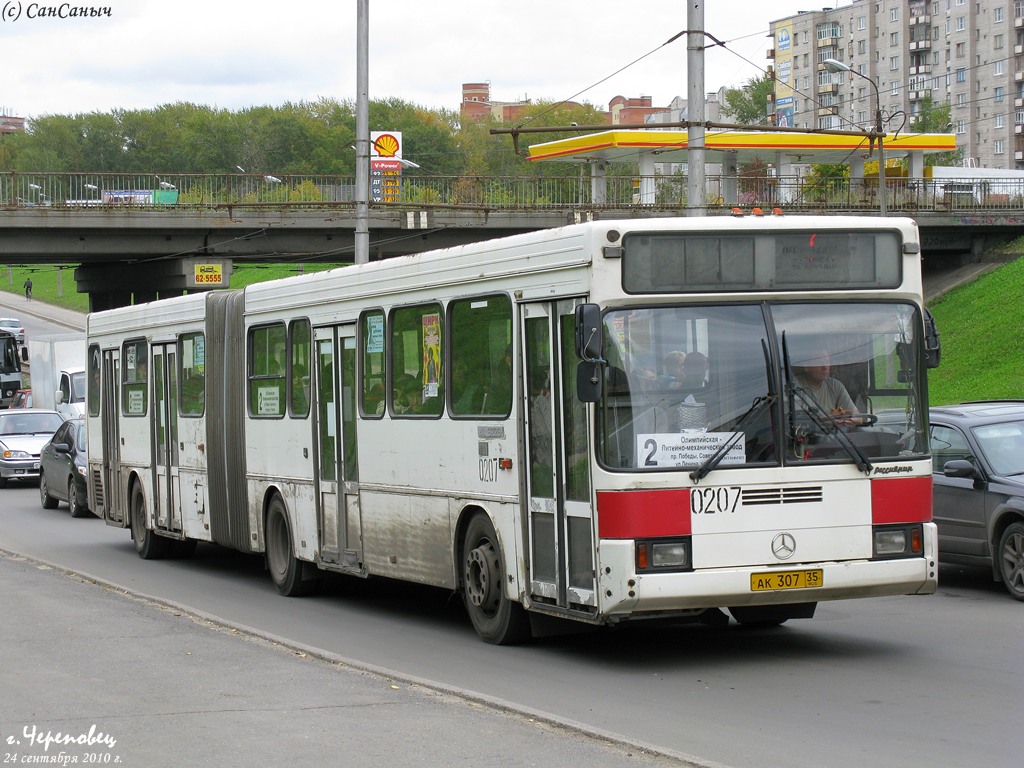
(663, 555)
(898, 541)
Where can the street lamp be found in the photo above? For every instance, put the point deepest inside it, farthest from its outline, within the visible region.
(833, 66)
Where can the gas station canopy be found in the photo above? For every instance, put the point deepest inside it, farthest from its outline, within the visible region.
(777, 148)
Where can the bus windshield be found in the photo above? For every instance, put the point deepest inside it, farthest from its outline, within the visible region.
(760, 384)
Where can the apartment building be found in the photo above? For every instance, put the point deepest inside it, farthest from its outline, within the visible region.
(968, 53)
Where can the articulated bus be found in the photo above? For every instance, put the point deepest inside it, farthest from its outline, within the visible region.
(509, 420)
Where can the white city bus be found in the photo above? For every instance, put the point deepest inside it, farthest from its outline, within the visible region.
(504, 420)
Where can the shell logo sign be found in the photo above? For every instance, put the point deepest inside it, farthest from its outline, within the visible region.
(385, 166)
(385, 144)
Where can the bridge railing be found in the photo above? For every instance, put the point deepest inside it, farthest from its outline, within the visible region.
(214, 191)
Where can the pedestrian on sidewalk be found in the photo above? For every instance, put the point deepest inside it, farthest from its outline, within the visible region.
(28, 288)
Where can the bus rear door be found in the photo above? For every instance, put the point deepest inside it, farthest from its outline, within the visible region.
(111, 503)
(338, 516)
(166, 512)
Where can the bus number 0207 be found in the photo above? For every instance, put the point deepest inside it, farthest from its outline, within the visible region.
(489, 470)
(709, 501)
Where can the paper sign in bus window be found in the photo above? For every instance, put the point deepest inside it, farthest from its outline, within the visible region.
(688, 449)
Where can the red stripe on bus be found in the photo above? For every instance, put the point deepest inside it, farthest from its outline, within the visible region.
(901, 500)
(643, 514)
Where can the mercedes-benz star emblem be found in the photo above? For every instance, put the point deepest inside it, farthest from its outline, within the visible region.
(783, 546)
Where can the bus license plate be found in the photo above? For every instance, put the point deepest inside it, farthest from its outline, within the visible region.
(769, 582)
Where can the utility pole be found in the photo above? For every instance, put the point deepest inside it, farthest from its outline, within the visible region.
(695, 200)
(362, 239)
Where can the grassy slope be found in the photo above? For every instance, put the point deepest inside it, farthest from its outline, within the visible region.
(982, 325)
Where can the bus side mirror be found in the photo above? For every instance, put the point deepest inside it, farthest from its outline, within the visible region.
(589, 333)
(932, 345)
(24, 353)
(588, 381)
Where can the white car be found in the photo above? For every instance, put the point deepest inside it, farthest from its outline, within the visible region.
(14, 325)
(23, 433)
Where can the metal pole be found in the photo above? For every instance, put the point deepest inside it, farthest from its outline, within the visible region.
(362, 238)
(882, 205)
(695, 200)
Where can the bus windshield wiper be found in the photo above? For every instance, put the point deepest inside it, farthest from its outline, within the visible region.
(715, 459)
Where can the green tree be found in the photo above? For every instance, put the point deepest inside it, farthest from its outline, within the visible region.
(936, 118)
(748, 105)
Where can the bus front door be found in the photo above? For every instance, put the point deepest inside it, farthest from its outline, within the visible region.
(112, 505)
(338, 515)
(560, 515)
(167, 514)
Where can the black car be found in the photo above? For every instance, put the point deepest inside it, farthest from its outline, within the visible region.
(978, 465)
(63, 469)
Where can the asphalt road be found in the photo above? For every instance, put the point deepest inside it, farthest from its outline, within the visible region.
(914, 681)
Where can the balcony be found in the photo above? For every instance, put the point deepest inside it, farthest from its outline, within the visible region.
(1018, 22)
(1018, 102)
(828, 87)
(921, 94)
(923, 20)
(826, 111)
(770, 54)
(920, 45)
(830, 41)
(922, 69)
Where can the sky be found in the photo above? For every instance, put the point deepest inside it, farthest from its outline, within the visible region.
(229, 54)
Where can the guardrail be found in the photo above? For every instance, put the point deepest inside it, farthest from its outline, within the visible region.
(76, 191)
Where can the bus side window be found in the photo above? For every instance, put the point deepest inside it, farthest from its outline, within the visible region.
(481, 334)
(417, 376)
(94, 380)
(134, 367)
(267, 346)
(299, 344)
(192, 374)
(371, 395)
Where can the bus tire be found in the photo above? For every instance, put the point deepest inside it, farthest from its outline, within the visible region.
(148, 543)
(285, 569)
(45, 498)
(496, 618)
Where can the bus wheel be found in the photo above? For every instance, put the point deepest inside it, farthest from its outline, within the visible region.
(45, 498)
(148, 544)
(285, 569)
(495, 618)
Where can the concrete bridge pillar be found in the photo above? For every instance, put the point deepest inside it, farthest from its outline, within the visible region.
(598, 183)
(730, 182)
(120, 284)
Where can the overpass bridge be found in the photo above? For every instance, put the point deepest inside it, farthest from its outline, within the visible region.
(135, 237)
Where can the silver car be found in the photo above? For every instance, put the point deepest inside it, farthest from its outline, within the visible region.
(14, 326)
(23, 433)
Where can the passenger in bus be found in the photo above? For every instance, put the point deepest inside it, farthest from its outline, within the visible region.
(814, 375)
(467, 391)
(672, 369)
(694, 372)
(408, 396)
